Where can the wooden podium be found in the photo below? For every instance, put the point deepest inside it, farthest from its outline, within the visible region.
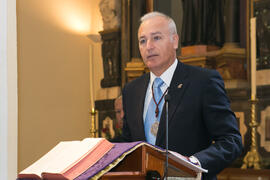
(136, 165)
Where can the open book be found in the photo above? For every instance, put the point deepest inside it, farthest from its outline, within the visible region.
(90, 159)
(68, 159)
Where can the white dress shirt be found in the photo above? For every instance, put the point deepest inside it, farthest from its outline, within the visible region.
(166, 77)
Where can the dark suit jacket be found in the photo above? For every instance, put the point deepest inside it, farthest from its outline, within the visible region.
(201, 122)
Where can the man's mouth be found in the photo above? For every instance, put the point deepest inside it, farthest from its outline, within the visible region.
(152, 55)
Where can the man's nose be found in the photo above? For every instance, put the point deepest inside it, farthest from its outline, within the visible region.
(149, 44)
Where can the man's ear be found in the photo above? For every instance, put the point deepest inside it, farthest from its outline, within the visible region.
(175, 41)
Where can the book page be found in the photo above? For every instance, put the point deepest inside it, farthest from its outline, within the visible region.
(61, 156)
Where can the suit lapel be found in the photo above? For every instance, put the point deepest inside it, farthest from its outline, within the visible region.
(140, 109)
(177, 89)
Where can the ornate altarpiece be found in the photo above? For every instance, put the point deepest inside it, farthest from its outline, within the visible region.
(231, 59)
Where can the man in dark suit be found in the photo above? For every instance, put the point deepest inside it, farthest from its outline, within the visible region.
(201, 123)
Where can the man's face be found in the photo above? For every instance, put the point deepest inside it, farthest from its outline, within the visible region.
(157, 45)
(119, 113)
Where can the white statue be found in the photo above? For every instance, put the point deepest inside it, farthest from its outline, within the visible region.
(111, 13)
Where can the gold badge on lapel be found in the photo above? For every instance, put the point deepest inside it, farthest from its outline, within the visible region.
(180, 86)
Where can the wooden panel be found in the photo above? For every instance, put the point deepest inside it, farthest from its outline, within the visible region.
(126, 165)
(154, 164)
(139, 162)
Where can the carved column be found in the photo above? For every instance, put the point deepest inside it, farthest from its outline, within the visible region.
(232, 21)
(232, 59)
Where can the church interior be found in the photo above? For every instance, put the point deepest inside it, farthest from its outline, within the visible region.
(66, 61)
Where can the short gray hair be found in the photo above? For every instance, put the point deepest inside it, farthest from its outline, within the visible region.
(171, 23)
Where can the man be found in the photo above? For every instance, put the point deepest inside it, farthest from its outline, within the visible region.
(201, 123)
(119, 115)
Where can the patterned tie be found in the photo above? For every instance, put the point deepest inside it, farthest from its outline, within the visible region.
(151, 122)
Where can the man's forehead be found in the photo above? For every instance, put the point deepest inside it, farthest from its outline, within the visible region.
(141, 35)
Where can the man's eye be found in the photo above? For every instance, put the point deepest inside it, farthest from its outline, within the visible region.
(142, 41)
(157, 37)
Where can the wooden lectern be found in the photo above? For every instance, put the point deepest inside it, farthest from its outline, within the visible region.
(136, 165)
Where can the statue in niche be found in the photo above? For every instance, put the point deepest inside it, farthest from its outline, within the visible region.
(111, 59)
(110, 66)
(111, 14)
(202, 23)
(107, 128)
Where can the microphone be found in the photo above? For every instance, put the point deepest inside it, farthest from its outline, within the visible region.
(167, 99)
(152, 175)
